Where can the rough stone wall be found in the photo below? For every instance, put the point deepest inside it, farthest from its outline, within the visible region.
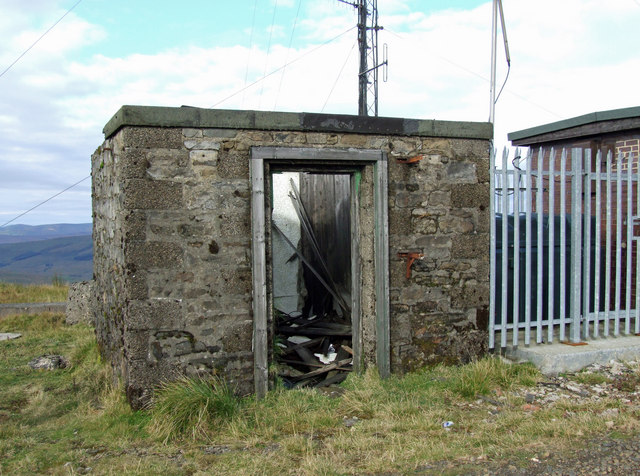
(173, 240)
(439, 207)
(79, 302)
(110, 284)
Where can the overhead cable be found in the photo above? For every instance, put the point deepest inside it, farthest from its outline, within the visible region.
(266, 60)
(253, 24)
(312, 50)
(293, 29)
(45, 201)
(41, 37)
(484, 78)
(338, 77)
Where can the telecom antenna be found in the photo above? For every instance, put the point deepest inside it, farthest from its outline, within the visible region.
(368, 42)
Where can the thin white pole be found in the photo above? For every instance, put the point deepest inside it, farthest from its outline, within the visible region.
(494, 40)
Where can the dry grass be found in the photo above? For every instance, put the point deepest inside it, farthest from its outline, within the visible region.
(19, 293)
(66, 421)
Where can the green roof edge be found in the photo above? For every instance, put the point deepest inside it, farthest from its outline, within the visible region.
(590, 118)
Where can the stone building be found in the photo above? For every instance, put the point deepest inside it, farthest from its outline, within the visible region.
(182, 208)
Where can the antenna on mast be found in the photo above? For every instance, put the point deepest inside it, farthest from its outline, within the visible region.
(368, 43)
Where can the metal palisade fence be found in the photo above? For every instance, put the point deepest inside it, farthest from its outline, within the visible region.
(564, 243)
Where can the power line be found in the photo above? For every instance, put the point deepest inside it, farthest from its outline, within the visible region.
(293, 29)
(41, 37)
(338, 77)
(266, 61)
(253, 24)
(478, 75)
(48, 199)
(283, 66)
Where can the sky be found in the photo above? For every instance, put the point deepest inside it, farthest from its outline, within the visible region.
(568, 58)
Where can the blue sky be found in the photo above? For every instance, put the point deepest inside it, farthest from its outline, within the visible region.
(568, 58)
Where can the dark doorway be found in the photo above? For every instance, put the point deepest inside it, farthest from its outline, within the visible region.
(311, 276)
(368, 264)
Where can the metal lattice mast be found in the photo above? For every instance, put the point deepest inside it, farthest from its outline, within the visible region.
(368, 45)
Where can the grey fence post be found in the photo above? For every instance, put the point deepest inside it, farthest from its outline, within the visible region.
(576, 244)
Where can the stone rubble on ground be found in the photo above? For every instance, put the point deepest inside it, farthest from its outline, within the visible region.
(49, 362)
(620, 381)
(9, 335)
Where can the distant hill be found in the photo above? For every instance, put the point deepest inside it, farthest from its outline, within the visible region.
(25, 233)
(35, 254)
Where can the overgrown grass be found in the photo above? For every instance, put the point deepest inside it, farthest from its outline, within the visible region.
(18, 293)
(65, 421)
(47, 418)
(191, 406)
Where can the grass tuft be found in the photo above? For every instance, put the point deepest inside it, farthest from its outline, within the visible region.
(487, 374)
(190, 407)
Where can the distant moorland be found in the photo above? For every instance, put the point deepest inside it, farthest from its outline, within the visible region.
(40, 254)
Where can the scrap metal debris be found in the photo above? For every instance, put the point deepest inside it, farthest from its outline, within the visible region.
(313, 344)
(312, 352)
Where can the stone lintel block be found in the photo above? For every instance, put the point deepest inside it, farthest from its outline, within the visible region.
(483, 225)
(220, 133)
(136, 285)
(461, 172)
(236, 223)
(483, 169)
(400, 221)
(153, 254)
(132, 163)
(203, 157)
(191, 133)
(202, 144)
(234, 165)
(470, 148)
(433, 241)
(152, 194)
(136, 344)
(470, 196)
(316, 138)
(470, 246)
(142, 377)
(134, 225)
(411, 294)
(353, 140)
(149, 137)
(410, 199)
(465, 297)
(152, 314)
(236, 280)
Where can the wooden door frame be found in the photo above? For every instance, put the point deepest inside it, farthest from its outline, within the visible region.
(260, 156)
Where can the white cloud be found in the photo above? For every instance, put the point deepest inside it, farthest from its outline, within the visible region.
(568, 58)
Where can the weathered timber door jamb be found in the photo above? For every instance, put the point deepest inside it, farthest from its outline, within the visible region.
(260, 155)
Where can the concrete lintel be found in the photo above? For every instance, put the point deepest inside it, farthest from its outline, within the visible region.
(558, 358)
(193, 117)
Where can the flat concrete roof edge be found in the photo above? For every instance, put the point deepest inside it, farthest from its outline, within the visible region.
(610, 115)
(193, 117)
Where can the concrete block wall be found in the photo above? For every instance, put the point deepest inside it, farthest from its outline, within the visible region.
(172, 231)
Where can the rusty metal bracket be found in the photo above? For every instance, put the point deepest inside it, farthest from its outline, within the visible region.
(411, 257)
(411, 160)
